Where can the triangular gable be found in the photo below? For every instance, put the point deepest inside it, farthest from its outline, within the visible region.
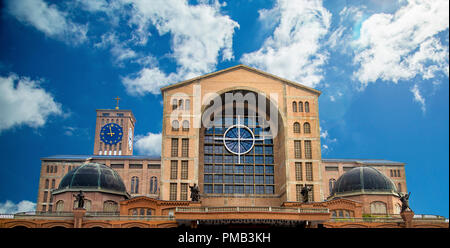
(248, 68)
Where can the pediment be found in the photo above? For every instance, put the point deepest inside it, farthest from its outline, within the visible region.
(243, 74)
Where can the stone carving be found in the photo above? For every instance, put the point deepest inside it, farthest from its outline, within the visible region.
(305, 193)
(195, 193)
(405, 202)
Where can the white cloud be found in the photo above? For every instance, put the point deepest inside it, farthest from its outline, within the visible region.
(149, 80)
(418, 97)
(350, 19)
(23, 102)
(200, 34)
(47, 19)
(294, 51)
(399, 46)
(149, 144)
(326, 141)
(69, 131)
(118, 49)
(324, 134)
(10, 207)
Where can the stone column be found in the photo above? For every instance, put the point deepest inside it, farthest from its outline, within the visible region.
(78, 214)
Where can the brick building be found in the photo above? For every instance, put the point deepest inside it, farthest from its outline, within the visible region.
(249, 140)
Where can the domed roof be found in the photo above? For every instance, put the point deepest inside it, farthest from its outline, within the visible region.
(363, 180)
(93, 177)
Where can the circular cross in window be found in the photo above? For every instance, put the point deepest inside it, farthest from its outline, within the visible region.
(239, 139)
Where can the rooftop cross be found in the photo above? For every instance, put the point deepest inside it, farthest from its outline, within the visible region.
(117, 99)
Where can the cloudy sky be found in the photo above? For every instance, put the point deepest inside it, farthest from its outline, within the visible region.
(382, 65)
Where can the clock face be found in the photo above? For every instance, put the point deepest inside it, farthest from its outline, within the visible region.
(111, 133)
(130, 139)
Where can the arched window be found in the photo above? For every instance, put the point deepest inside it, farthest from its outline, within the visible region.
(46, 183)
(378, 207)
(153, 185)
(294, 106)
(181, 104)
(307, 107)
(53, 183)
(238, 166)
(174, 104)
(397, 209)
(399, 187)
(185, 125)
(48, 169)
(59, 206)
(331, 183)
(306, 127)
(187, 104)
(149, 211)
(134, 185)
(300, 106)
(175, 125)
(296, 127)
(110, 206)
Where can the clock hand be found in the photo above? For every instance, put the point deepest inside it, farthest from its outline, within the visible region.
(110, 132)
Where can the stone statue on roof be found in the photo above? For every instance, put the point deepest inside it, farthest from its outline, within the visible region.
(80, 199)
(195, 193)
(305, 193)
(405, 202)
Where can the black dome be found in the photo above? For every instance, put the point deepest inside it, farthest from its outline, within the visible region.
(363, 179)
(93, 177)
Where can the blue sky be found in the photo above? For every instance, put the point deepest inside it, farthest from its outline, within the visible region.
(382, 67)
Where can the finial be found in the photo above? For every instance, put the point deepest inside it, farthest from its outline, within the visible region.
(117, 99)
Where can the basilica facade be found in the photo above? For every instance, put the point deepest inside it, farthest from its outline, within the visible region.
(248, 141)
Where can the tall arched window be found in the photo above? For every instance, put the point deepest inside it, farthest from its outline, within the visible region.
(294, 106)
(306, 127)
(331, 183)
(174, 104)
(185, 125)
(181, 104)
(175, 125)
(378, 207)
(399, 187)
(300, 106)
(153, 185)
(187, 104)
(134, 185)
(59, 206)
(46, 183)
(244, 166)
(110, 206)
(397, 209)
(307, 107)
(296, 127)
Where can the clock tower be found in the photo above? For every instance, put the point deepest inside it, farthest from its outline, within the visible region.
(114, 132)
